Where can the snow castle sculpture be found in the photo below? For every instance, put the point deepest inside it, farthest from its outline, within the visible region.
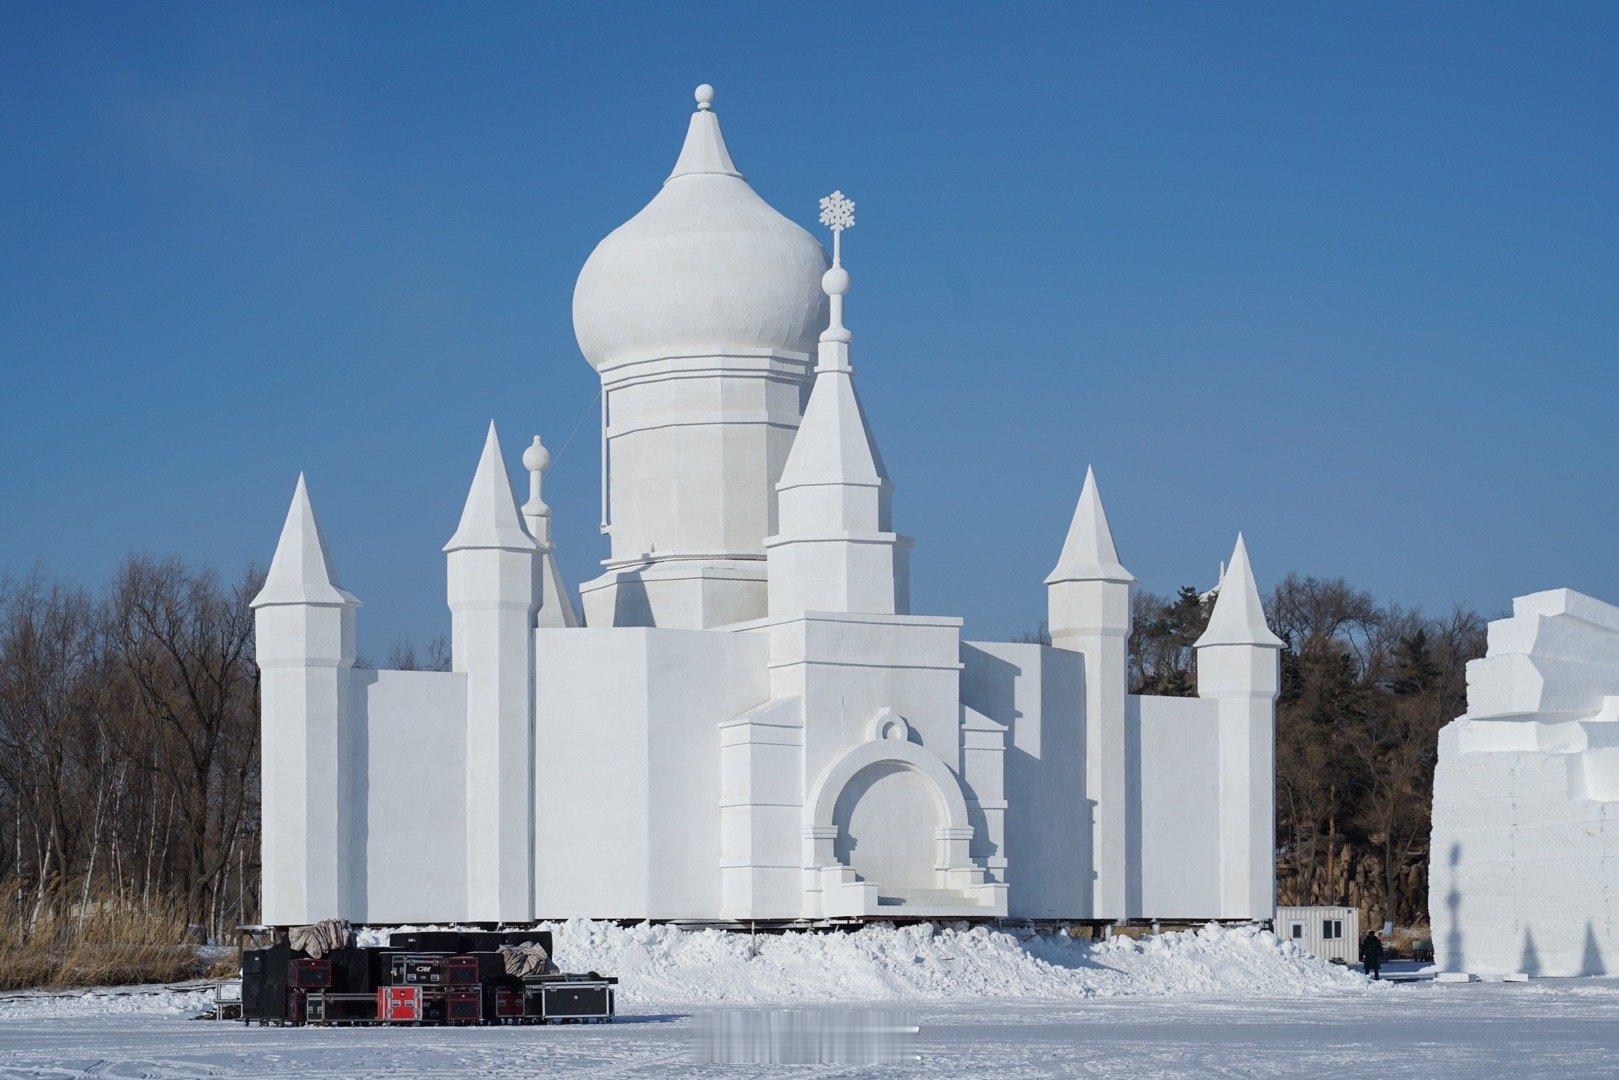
(1524, 857)
(748, 722)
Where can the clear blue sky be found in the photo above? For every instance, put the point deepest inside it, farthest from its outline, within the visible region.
(1344, 280)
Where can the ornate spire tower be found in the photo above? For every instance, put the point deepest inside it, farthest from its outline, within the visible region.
(700, 314)
(835, 549)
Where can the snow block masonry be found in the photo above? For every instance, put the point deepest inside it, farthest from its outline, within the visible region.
(747, 722)
(1524, 861)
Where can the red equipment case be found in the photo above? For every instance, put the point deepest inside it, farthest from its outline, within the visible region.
(463, 1006)
(508, 1003)
(462, 971)
(399, 1004)
(307, 974)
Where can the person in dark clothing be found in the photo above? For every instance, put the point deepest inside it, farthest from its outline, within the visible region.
(1371, 955)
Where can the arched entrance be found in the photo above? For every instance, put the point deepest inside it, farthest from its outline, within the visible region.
(886, 827)
(888, 820)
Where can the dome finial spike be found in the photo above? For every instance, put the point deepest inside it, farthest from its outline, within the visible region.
(704, 150)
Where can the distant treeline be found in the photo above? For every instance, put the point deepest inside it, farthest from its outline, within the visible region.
(129, 747)
(1365, 689)
(129, 739)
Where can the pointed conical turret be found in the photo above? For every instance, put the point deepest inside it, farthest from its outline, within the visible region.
(1238, 617)
(303, 643)
(1088, 612)
(301, 571)
(833, 549)
(1239, 669)
(834, 444)
(491, 587)
(490, 518)
(1088, 553)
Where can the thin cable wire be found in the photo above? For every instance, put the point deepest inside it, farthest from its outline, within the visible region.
(556, 458)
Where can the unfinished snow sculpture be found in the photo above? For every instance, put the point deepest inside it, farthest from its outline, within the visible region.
(1524, 858)
(749, 723)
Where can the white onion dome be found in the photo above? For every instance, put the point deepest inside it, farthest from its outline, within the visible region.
(706, 265)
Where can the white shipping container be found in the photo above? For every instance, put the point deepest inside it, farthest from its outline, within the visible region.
(1332, 933)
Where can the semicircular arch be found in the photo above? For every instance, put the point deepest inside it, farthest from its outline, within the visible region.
(846, 766)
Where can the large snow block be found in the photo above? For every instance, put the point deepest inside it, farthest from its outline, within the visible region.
(1525, 845)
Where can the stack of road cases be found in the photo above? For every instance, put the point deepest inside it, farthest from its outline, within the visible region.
(419, 977)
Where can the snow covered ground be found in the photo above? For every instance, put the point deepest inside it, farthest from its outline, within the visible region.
(989, 1002)
(1552, 1028)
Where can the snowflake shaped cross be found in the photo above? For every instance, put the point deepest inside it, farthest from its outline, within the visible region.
(837, 212)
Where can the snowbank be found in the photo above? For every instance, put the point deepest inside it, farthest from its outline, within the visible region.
(73, 1004)
(664, 965)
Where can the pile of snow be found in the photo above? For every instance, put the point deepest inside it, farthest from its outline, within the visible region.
(665, 965)
(660, 965)
(73, 1004)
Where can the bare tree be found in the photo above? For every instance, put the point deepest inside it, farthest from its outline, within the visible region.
(51, 689)
(1365, 689)
(434, 656)
(184, 642)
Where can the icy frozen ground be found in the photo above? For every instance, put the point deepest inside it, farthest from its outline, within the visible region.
(990, 1003)
(1553, 1028)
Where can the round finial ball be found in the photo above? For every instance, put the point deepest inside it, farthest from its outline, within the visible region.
(536, 458)
(705, 96)
(835, 281)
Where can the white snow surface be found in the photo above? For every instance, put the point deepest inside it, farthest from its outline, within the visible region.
(989, 1002)
(109, 1001)
(667, 965)
(1433, 1030)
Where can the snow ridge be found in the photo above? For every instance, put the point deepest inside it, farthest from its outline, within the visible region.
(665, 965)
(155, 1000)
